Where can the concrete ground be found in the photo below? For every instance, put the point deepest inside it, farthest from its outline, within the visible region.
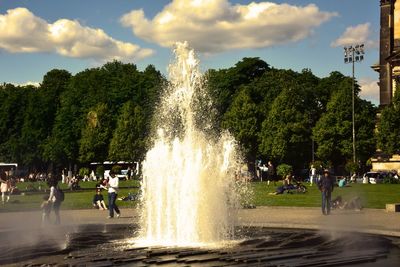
(375, 221)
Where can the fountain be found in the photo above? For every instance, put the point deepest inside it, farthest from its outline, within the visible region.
(188, 188)
(188, 211)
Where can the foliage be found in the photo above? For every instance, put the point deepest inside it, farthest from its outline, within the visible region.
(106, 113)
(224, 84)
(351, 167)
(286, 131)
(388, 134)
(129, 138)
(84, 171)
(389, 179)
(241, 120)
(333, 131)
(96, 134)
(116, 169)
(100, 171)
(284, 169)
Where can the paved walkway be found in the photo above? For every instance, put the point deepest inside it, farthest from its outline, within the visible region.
(374, 221)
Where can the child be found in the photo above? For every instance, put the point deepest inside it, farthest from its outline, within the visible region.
(98, 201)
(46, 208)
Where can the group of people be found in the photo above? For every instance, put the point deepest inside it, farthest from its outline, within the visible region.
(53, 200)
(111, 185)
(326, 183)
(289, 185)
(266, 172)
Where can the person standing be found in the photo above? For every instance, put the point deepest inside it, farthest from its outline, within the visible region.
(4, 187)
(325, 185)
(53, 199)
(271, 173)
(112, 186)
(313, 175)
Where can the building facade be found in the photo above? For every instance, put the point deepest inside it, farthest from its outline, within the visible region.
(389, 50)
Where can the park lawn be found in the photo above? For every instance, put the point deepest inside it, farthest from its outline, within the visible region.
(79, 199)
(372, 196)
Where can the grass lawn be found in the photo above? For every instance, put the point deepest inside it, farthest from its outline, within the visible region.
(373, 196)
(79, 199)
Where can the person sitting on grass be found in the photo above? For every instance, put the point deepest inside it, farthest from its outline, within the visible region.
(343, 182)
(98, 201)
(354, 203)
(286, 187)
(130, 197)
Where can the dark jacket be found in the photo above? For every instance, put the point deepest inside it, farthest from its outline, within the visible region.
(326, 183)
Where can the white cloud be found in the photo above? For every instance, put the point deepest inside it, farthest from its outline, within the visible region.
(356, 35)
(218, 25)
(369, 90)
(23, 32)
(35, 84)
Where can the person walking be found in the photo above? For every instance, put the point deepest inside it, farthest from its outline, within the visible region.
(325, 185)
(54, 197)
(112, 186)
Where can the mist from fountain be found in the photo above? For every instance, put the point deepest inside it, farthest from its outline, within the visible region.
(188, 189)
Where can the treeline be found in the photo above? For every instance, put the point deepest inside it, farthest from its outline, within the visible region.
(281, 115)
(106, 114)
(96, 115)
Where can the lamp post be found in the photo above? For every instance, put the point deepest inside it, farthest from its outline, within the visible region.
(351, 55)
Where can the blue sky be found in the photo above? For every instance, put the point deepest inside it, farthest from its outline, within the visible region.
(39, 35)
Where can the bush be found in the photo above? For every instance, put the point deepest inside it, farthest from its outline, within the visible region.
(389, 179)
(284, 169)
(351, 167)
(84, 171)
(116, 169)
(100, 171)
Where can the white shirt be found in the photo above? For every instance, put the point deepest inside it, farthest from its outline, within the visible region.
(313, 171)
(52, 197)
(113, 184)
(264, 168)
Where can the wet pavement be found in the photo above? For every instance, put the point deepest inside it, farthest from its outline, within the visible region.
(267, 236)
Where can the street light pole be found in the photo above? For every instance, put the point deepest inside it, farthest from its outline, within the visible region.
(351, 55)
(352, 112)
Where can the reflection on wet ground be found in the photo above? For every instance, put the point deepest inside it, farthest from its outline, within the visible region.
(111, 245)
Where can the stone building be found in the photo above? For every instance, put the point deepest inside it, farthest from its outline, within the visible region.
(389, 71)
(389, 50)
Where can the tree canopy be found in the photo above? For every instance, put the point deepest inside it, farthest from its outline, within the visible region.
(106, 113)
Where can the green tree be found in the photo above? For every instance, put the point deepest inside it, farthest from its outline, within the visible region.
(14, 101)
(388, 133)
(93, 145)
(241, 119)
(42, 106)
(224, 84)
(284, 169)
(285, 133)
(333, 132)
(129, 138)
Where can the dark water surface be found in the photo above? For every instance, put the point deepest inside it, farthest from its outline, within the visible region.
(112, 245)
